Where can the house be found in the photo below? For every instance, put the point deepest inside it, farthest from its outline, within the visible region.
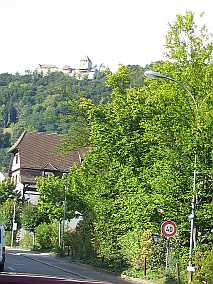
(47, 68)
(36, 154)
(68, 70)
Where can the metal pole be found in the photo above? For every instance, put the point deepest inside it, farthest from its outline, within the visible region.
(13, 221)
(178, 272)
(64, 217)
(191, 244)
(167, 254)
(59, 234)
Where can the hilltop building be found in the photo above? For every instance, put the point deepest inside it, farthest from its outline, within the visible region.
(47, 68)
(84, 71)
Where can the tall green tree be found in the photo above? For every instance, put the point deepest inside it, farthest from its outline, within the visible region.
(139, 171)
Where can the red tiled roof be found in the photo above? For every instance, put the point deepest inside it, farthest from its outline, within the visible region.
(38, 150)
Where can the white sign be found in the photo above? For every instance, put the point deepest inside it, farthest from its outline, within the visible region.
(190, 269)
(14, 226)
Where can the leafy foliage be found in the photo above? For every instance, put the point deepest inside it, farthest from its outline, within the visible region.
(31, 217)
(139, 170)
(46, 236)
(6, 214)
(7, 191)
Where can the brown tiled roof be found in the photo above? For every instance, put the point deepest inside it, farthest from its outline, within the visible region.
(38, 150)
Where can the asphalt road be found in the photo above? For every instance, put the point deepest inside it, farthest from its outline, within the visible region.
(29, 263)
(26, 262)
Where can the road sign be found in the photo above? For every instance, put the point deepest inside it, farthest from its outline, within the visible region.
(168, 229)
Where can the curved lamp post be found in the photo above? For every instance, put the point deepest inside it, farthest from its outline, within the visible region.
(156, 75)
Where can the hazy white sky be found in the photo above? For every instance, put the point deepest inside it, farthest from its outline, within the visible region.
(108, 31)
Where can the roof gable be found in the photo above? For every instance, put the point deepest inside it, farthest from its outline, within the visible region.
(49, 166)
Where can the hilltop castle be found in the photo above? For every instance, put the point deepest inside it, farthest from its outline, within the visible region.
(85, 70)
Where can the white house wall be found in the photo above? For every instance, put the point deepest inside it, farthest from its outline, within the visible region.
(16, 162)
(15, 177)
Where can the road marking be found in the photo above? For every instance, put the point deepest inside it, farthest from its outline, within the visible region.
(10, 268)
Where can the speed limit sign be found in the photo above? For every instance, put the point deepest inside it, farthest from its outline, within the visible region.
(168, 229)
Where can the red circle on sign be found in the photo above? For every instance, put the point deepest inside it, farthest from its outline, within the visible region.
(168, 229)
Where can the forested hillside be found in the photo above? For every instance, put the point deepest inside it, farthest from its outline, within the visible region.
(49, 103)
(40, 103)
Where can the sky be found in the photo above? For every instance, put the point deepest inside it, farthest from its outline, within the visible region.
(110, 32)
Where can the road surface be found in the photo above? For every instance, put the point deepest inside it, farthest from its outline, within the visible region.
(26, 262)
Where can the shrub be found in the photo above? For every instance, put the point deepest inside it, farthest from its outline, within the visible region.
(26, 241)
(8, 238)
(135, 247)
(46, 236)
(204, 266)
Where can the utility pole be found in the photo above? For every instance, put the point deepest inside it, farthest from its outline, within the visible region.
(64, 218)
(13, 222)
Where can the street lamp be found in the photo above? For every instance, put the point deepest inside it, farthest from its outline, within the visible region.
(156, 75)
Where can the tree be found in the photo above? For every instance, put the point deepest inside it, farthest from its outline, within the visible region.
(31, 217)
(7, 191)
(143, 145)
(190, 50)
(7, 213)
(57, 192)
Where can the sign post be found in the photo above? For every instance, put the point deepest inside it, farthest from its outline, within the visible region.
(168, 229)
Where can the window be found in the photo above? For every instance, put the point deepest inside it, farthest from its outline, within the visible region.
(48, 174)
(16, 158)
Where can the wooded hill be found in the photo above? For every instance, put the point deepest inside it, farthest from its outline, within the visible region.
(41, 103)
(34, 102)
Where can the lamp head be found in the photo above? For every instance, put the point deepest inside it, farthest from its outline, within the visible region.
(156, 75)
(152, 74)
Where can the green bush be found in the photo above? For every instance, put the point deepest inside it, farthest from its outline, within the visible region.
(8, 238)
(204, 266)
(46, 236)
(80, 241)
(130, 248)
(27, 241)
